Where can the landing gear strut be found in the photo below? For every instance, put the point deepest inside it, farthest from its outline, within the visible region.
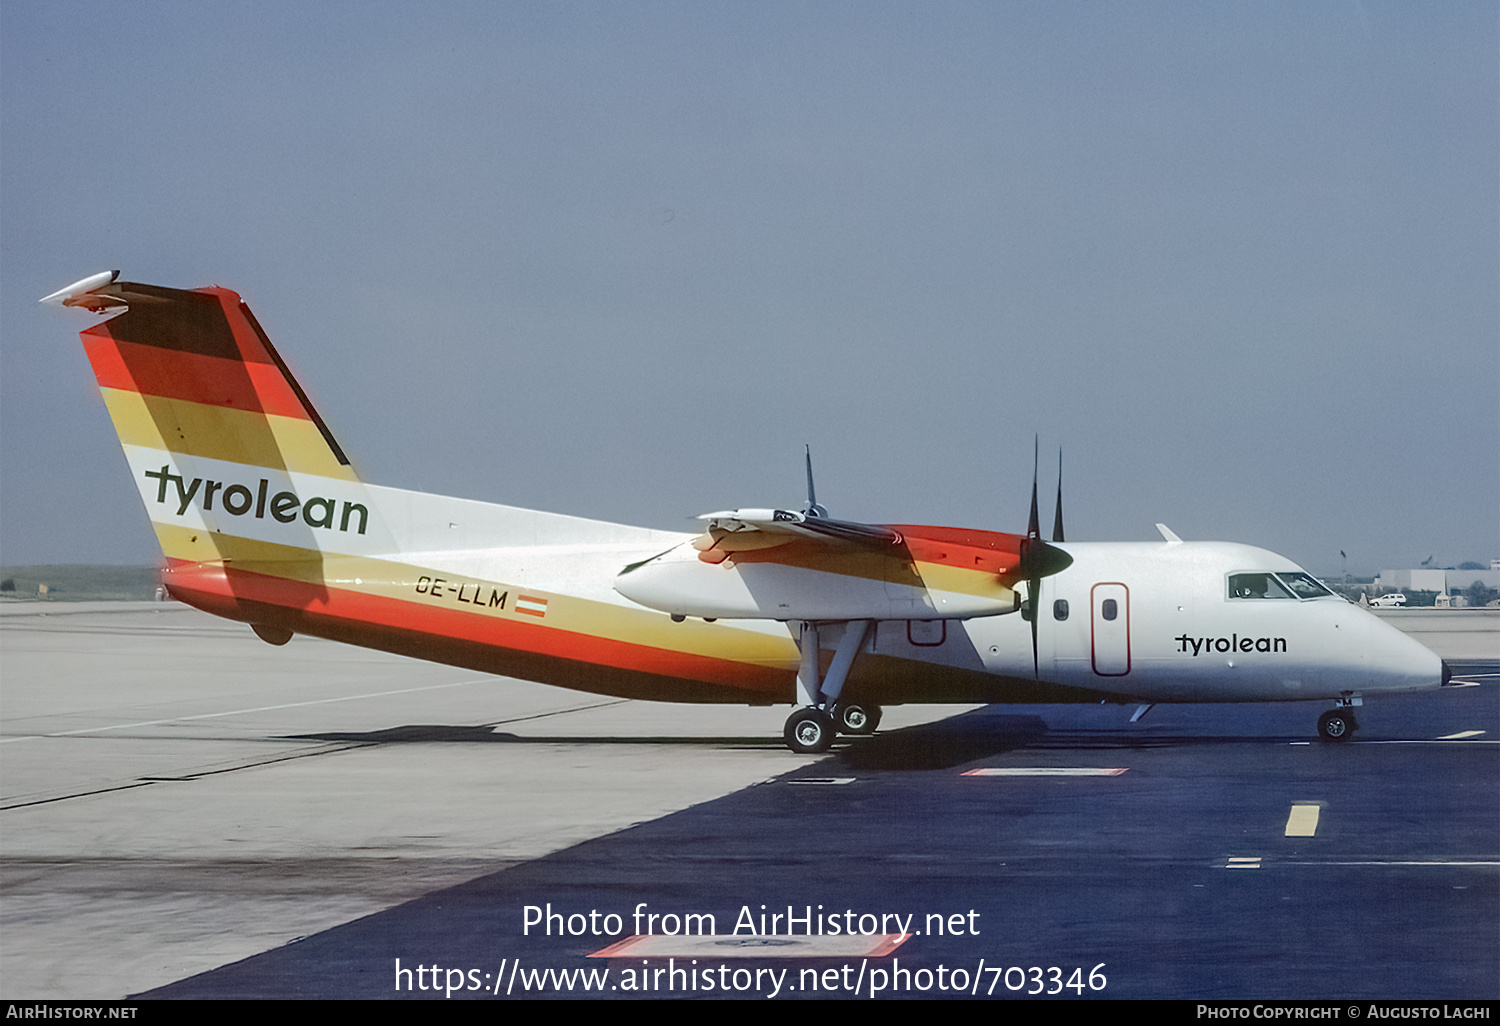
(822, 717)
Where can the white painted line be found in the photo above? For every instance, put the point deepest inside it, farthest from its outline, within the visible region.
(1461, 735)
(1303, 821)
(858, 945)
(1399, 862)
(1046, 771)
(1243, 862)
(241, 712)
(824, 780)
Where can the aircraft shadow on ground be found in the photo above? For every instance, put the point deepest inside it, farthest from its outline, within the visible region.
(930, 746)
(427, 733)
(940, 745)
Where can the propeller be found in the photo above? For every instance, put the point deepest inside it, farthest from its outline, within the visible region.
(1038, 559)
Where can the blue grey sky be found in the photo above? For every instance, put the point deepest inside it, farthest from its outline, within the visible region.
(1241, 261)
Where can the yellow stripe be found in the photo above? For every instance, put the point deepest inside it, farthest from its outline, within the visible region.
(963, 581)
(200, 546)
(217, 432)
(1303, 821)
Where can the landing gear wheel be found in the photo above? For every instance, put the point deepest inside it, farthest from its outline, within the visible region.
(1336, 725)
(856, 718)
(809, 731)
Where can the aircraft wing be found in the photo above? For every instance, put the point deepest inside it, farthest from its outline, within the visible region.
(784, 565)
(743, 530)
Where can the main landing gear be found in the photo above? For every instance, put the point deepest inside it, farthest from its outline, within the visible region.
(1338, 723)
(812, 728)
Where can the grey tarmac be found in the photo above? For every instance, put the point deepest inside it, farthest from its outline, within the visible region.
(181, 802)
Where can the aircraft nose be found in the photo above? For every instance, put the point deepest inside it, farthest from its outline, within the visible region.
(1401, 663)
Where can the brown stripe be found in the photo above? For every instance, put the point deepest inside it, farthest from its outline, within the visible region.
(188, 322)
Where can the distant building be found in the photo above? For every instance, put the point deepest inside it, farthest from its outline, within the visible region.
(1437, 580)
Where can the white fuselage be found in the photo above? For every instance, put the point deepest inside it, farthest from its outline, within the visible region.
(1176, 633)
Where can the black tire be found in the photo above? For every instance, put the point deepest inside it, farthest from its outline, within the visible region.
(808, 731)
(1335, 725)
(856, 718)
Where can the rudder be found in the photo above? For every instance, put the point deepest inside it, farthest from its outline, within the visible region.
(231, 460)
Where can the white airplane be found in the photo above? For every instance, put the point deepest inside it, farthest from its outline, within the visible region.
(262, 520)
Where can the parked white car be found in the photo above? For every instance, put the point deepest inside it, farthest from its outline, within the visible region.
(1395, 598)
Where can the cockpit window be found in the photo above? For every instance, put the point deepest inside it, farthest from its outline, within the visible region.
(1304, 585)
(1257, 586)
(1275, 586)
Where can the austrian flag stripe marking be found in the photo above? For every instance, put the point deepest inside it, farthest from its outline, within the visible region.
(531, 604)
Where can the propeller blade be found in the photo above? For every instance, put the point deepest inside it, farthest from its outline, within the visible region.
(812, 509)
(1057, 528)
(1034, 525)
(1038, 559)
(1033, 587)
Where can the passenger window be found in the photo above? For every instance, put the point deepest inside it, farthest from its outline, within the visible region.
(1060, 609)
(1256, 586)
(1109, 608)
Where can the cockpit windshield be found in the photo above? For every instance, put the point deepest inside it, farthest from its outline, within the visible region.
(1282, 585)
(1304, 585)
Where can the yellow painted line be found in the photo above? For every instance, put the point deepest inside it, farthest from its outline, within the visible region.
(1303, 822)
(1461, 735)
(1046, 771)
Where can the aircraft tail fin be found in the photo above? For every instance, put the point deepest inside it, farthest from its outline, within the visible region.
(231, 459)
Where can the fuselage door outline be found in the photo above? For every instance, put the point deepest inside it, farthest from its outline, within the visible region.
(1109, 603)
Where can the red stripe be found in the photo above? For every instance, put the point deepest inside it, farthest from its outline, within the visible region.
(989, 551)
(172, 374)
(222, 591)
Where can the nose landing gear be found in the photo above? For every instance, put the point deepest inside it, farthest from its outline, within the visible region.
(1338, 723)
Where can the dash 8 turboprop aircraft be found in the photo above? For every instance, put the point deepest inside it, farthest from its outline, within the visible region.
(262, 520)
